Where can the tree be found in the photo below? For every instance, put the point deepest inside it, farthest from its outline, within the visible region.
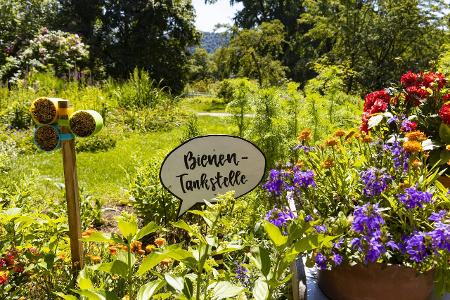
(255, 53)
(376, 40)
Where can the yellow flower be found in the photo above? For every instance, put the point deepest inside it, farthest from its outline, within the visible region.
(447, 147)
(149, 248)
(412, 146)
(165, 262)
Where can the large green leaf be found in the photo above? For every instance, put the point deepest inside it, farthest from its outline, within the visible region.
(147, 229)
(175, 282)
(127, 228)
(183, 225)
(116, 267)
(149, 289)
(224, 290)
(91, 295)
(150, 261)
(99, 237)
(274, 233)
(261, 290)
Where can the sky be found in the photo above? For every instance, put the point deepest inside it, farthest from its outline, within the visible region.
(212, 14)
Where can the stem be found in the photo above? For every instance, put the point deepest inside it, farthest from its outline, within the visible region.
(130, 273)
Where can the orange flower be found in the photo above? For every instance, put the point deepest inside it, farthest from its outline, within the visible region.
(141, 252)
(87, 233)
(160, 242)
(418, 136)
(331, 142)
(339, 133)
(136, 246)
(304, 135)
(416, 164)
(113, 250)
(166, 262)
(149, 248)
(447, 147)
(95, 258)
(412, 146)
(328, 164)
(366, 138)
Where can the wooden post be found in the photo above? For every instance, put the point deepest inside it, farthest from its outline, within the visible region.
(72, 191)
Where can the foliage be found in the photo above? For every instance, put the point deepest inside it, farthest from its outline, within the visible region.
(191, 129)
(241, 102)
(376, 40)
(153, 203)
(140, 91)
(269, 126)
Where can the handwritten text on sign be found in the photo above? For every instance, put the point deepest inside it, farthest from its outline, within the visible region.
(209, 165)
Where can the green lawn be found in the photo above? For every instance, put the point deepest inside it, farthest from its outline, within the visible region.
(103, 174)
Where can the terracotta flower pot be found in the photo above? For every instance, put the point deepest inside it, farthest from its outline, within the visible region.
(375, 282)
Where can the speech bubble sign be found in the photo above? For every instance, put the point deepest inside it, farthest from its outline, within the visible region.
(205, 166)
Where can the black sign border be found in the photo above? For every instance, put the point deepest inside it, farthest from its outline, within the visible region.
(203, 136)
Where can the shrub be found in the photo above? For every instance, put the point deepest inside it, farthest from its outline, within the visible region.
(191, 129)
(103, 141)
(150, 199)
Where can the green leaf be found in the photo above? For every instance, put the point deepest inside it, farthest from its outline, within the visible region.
(116, 267)
(91, 295)
(149, 289)
(147, 229)
(308, 243)
(127, 228)
(183, 225)
(224, 289)
(150, 261)
(203, 215)
(444, 133)
(261, 290)
(99, 237)
(66, 297)
(227, 249)
(83, 281)
(375, 120)
(274, 234)
(175, 282)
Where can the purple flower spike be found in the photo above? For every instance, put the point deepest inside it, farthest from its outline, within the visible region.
(413, 198)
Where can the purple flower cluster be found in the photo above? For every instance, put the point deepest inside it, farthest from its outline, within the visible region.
(415, 247)
(321, 261)
(413, 198)
(399, 156)
(408, 125)
(306, 149)
(440, 235)
(277, 182)
(304, 179)
(242, 274)
(279, 217)
(367, 222)
(281, 180)
(375, 180)
(320, 228)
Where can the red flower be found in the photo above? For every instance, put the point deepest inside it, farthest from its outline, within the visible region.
(409, 79)
(446, 98)
(365, 123)
(430, 78)
(9, 259)
(408, 125)
(444, 113)
(376, 102)
(18, 269)
(416, 94)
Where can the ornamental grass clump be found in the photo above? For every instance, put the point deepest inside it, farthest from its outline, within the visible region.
(379, 199)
